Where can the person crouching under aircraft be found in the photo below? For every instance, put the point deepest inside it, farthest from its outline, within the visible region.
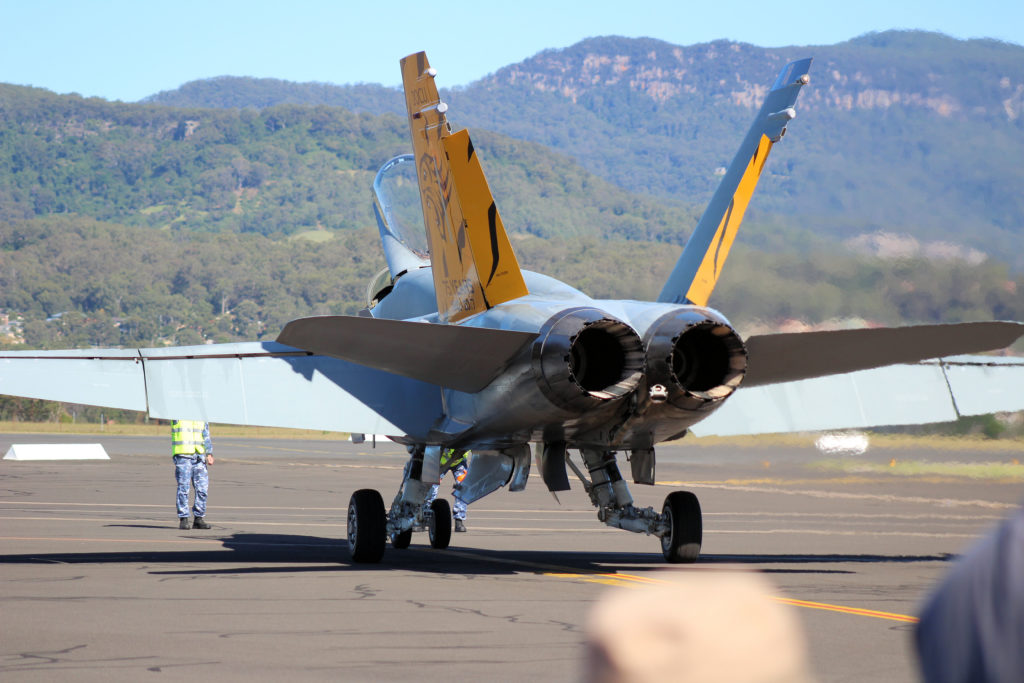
(456, 462)
(192, 451)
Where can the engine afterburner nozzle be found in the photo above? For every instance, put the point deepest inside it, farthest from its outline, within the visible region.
(696, 354)
(584, 357)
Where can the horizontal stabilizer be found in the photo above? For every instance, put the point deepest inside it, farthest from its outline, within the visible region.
(462, 358)
(787, 357)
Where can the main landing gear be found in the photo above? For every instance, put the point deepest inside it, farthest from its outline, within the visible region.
(681, 542)
(679, 525)
(414, 508)
(370, 525)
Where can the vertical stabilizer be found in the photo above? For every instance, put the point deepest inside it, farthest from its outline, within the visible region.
(496, 263)
(700, 265)
(473, 264)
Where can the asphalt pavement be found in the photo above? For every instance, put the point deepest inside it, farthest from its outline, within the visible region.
(98, 583)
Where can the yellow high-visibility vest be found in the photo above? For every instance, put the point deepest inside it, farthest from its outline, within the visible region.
(187, 437)
(451, 458)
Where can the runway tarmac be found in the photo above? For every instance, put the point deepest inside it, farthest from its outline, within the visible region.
(98, 583)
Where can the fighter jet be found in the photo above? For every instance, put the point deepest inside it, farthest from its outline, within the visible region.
(460, 348)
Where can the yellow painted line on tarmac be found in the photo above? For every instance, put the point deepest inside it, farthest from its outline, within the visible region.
(632, 580)
(906, 618)
(635, 580)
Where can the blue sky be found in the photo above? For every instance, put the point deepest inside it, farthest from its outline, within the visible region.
(121, 49)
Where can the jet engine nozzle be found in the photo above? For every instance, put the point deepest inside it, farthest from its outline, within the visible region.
(697, 355)
(584, 357)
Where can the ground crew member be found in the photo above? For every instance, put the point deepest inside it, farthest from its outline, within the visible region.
(456, 462)
(192, 451)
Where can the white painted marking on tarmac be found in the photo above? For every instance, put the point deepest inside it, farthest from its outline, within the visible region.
(883, 497)
(163, 505)
(837, 532)
(858, 515)
(222, 524)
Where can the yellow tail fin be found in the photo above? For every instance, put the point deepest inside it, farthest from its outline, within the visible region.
(697, 271)
(473, 263)
(711, 265)
(496, 263)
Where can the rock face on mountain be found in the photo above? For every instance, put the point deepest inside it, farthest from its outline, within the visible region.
(973, 79)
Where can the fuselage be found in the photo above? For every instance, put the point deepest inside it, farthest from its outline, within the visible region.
(603, 374)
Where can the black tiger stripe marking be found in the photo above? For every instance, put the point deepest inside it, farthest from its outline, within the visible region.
(492, 223)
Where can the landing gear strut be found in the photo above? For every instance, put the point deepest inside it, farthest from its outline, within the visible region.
(679, 524)
(370, 526)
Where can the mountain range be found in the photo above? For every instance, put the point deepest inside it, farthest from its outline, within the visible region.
(902, 132)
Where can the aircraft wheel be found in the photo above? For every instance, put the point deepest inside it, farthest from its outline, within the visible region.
(682, 543)
(367, 524)
(401, 540)
(440, 529)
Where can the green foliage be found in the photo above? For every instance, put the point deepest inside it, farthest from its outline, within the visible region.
(79, 282)
(275, 172)
(905, 131)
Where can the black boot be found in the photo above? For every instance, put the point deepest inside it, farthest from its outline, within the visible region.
(460, 525)
(183, 523)
(200, 523)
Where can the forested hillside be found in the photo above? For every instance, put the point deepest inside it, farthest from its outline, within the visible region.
(905, 132)
(276, 171)
(75, 281)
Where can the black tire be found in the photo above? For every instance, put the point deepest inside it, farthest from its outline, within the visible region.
(401, 540)
(367, 524)
(686, 530)
(440, 529)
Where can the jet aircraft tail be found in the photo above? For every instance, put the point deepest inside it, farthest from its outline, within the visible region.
(697, 271)
(473, 264)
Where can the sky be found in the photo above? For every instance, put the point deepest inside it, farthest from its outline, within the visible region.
(128, 49)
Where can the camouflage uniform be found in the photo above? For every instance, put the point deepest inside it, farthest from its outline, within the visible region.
(190, 470)
(455, 462)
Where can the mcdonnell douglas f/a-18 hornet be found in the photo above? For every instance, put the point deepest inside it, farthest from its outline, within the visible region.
(459, 348)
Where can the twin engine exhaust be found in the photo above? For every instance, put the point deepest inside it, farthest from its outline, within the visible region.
(583, 357)
(696, 356)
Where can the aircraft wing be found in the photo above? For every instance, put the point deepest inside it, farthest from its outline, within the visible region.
(255, 383)
(921, 393)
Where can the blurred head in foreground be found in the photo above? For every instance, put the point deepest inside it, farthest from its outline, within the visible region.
(699, 626)
(972, 625)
